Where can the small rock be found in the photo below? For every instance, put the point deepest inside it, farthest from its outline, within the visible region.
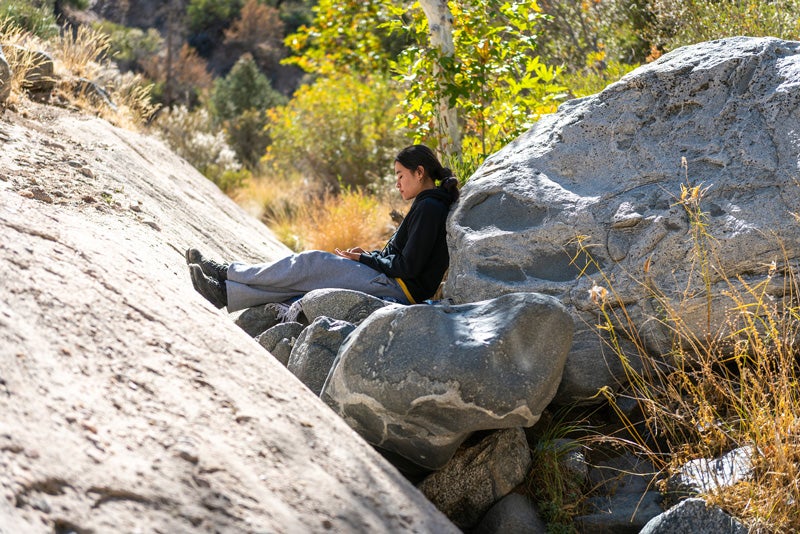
(513, 514)
(694, 515)
(259, 319)
(315, 351)
(623, 513)
(341, 304)
(706, 476)
(280, 339)
(479, 475)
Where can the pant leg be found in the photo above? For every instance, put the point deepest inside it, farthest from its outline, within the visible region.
(295, 275)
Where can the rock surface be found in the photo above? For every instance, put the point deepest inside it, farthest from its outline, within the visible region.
(280, 339)
(315, 350)
(479, 475)
(341, 304)
(513, 514)
(705, 475)
(694, 515)
(417, 380)
(5, 77)
(624, 499)
(128, 402)
(606, 171)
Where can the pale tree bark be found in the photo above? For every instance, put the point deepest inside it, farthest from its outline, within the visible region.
(440, 23)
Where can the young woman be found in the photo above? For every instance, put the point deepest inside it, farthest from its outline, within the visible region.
(408, 269)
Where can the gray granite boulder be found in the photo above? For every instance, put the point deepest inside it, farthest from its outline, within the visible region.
(315, 350)
(5, 77)
(280, 339)
(342, 304)
(259, 319)
(478, 476)
(694, 515)
(417, 380)
(606, 171)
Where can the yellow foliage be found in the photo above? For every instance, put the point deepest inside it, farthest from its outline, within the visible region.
(317, 221)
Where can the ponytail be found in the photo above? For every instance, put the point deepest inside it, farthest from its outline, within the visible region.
(449, 183)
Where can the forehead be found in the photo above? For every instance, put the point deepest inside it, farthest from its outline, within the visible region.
(399, 167)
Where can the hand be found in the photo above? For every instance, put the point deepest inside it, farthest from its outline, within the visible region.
(351, 253)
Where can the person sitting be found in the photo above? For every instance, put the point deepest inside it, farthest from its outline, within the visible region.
(408, 270)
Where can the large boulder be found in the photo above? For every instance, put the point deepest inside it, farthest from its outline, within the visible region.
(417, 380)
(592, 194)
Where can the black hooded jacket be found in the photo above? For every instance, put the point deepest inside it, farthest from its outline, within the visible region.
(417, 253)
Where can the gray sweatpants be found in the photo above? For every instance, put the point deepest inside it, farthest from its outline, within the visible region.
(295, 275)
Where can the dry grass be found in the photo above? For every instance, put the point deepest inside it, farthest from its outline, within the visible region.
(84, 79)
(19, 48)
(353, 218)
(314, 220)
(83, 53)
(716, 392)
(89, 82)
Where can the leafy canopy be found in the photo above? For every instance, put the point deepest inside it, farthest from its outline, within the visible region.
(495, 79)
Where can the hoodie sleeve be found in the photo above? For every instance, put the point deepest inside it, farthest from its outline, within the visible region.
(407, 260)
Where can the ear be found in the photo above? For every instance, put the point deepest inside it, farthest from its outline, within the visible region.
(420, 170)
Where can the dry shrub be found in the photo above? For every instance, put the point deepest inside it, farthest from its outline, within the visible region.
(352, 218)
(275, 201)
(82, 53)
(89, 82)
(19, 48)
(717, 392)
(313, 220)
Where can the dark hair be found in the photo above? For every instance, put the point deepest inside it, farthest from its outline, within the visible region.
(413, 156)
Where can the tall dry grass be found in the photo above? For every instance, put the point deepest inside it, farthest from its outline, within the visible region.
(716, 392)
(88, 81)
(84, 78)
(319, 220)
(19, 49)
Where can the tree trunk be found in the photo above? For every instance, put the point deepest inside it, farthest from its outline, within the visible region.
(440, 23)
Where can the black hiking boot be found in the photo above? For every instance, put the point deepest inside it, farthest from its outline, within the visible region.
(212, 289)
(218, 271)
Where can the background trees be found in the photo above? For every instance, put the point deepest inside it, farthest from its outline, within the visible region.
(323, 92)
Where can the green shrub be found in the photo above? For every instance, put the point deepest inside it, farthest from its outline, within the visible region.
(678, 23)
(34, 19)
(239, 102)
(338, 130)
(130, 46)
(211, 15)
(244, 88)
(248, 137)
